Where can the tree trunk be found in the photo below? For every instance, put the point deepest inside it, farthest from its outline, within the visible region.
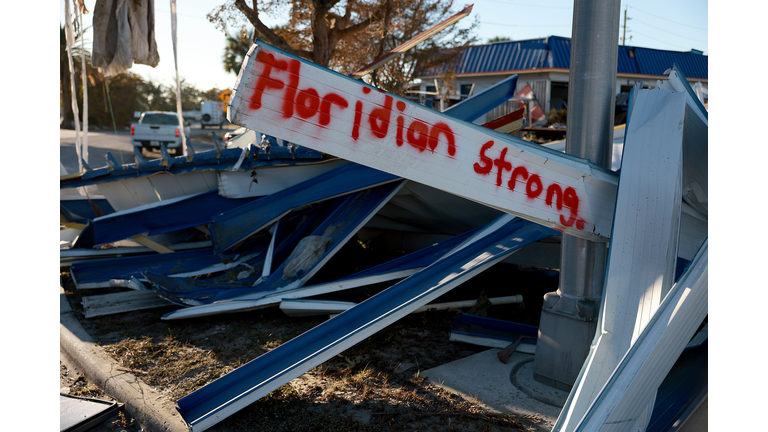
(66, 96)
(320, 41)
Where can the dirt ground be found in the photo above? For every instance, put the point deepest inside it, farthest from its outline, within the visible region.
(376, 385)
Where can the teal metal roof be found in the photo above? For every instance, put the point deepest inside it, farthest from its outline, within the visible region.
(554, 52)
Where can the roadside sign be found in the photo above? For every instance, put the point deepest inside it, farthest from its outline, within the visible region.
(224, 95)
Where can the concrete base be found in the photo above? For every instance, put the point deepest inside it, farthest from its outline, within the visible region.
(561, 348)
(503, 388)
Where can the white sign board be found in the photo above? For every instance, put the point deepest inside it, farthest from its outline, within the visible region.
(298, 101)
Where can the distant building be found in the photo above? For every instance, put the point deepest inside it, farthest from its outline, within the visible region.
(544, 64)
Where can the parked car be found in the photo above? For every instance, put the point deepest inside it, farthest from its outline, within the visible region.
(234, 134)
(156, 127)
(213, 114)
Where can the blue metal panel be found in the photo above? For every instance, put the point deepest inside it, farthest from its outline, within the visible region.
(234, 226)
(345, 220)
(186, 291)
(214, 402)
(82, 210)
(258, 156)
(126, 267)
(387, 271)
(472, 108)
(420, 258)
(161, 217)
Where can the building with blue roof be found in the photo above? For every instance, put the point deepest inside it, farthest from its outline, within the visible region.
(544, 65)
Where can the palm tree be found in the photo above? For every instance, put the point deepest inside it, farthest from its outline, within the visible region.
(235, 49)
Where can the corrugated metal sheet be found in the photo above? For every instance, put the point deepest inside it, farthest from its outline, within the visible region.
(554, 52)
(560, 48)
(627, 63)
(655, 62)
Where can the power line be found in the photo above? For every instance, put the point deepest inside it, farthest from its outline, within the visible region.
(530, 5)
(662, 41)
(667, 19)
(515, 25)
(674, 34)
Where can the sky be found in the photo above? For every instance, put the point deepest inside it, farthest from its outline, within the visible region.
(677, 25)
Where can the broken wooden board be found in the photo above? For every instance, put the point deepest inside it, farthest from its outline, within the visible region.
(303, 103)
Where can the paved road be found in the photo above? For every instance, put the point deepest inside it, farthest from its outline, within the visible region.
(119, 144)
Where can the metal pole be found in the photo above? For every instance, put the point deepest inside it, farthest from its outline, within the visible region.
(568, 320)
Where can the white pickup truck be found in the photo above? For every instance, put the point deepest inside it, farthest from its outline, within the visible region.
(155, 127)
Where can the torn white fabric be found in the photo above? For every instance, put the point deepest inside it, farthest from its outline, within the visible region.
(123, 34)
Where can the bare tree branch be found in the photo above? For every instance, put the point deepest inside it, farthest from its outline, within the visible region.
(273, 38)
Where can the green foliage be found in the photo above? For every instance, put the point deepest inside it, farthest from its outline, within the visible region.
(499, 39)
(236, 48)
(558, 116)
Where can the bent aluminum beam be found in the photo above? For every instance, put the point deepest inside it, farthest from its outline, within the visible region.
(233, 227)
(472, 108)
(637, 377)
(218, 400)
(97, 273)
(157, 218)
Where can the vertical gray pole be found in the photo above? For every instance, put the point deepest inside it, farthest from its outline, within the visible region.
(568, 320)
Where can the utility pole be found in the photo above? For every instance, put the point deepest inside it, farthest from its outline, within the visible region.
(569, 315)
(624, 32)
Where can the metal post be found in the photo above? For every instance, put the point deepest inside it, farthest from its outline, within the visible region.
(568, 319)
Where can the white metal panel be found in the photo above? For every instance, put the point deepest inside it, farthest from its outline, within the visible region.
(117, 195)
(109, 304)
(695, 169)
(693, 232)
(643, 250)
(173, 186)
(268, 180)
(311, 106)
(638, 376)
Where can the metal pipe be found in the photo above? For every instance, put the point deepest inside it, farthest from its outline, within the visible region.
(592, 80)
(589, 128)
(569, 316)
